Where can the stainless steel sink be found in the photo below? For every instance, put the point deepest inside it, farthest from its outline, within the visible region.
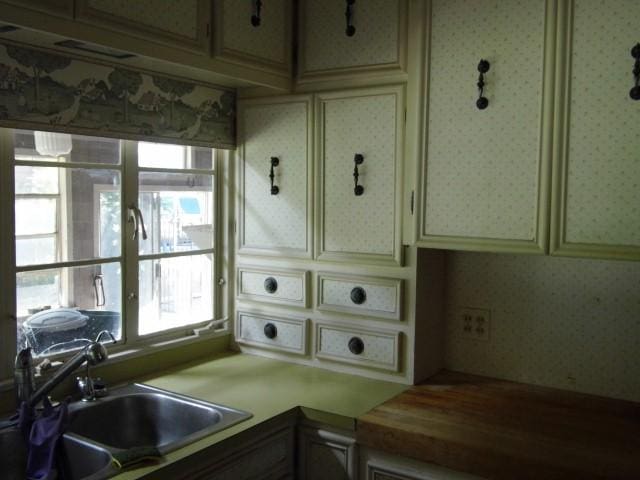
(78, 459)
(132, 416)
(140, 416)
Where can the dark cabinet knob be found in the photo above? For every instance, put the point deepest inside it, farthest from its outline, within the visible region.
(356, 345)
(270, 285)
(358, 295)
(270, 331)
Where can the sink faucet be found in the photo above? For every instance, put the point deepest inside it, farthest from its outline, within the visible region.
(93, 353)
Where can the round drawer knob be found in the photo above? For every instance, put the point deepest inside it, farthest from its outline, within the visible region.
(356, 345)
(270, 331)
(270, 285)
(358, 295)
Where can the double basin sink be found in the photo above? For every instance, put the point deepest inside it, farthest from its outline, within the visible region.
(129, 418)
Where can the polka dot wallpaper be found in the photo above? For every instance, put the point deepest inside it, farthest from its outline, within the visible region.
(559, 322)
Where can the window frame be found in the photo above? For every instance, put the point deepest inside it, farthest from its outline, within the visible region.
(131, 343)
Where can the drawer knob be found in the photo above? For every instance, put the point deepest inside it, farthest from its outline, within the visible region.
(270, 331)
(356, 345)
(270, 285)
(358, 295)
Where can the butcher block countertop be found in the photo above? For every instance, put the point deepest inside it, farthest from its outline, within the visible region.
(504, 430)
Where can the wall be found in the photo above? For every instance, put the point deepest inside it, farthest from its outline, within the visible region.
(559, 322)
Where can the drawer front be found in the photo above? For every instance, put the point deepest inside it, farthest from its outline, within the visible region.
(274, 286)
(272, 332)
(378, 297)
(369, 348)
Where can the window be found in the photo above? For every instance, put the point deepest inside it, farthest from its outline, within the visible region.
(110, 234)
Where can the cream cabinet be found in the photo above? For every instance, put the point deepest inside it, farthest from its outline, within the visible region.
(62, 8)
(377, 42)
(325, 454)
(184, 24)
(596, 195)
(262, 38)
(485, 171)
(274, 179)
(359, 155)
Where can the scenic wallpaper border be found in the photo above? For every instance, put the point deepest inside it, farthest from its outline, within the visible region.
(49, 91)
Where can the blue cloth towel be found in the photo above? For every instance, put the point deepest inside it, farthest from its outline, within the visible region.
(42, 435)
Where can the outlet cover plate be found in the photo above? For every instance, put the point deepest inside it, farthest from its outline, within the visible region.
(474, 323)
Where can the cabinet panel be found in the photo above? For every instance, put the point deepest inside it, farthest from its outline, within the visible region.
(63, 8)
(275, 224)
(597, 193)
(183, 24)
(324, 455)
(377, 349)
(369, 123)
(378, 297)
(377, 45)
(267, 44)
(485, 171)
(288, 287)
(286, 334)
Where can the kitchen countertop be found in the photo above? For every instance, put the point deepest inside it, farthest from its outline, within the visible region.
(267, 388)
(505, 430)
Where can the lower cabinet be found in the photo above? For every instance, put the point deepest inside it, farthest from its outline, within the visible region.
(324, 454)
(375, 465)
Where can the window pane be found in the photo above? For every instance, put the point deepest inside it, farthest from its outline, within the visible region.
(58, 306)
(160, 155)
(34, 180)
(36, 216)
(86, 213)
(35, 251)
(175, 292)
(62, 147)
(177, 210)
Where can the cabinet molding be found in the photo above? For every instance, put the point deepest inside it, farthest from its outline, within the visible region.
(324, 454)
(613, 210)
(245, 247)
(309, 73)
(537, 211)
(367, 210)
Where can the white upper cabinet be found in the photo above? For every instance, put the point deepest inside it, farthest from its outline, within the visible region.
(485, 171)
(359, 216)
(275, 139)
(597, 170)
(184, 24)
(377, 43)
(259, 38)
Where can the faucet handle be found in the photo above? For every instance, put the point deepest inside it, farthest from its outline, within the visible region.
(105, 332)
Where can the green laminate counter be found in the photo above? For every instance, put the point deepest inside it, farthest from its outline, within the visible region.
(267, 388)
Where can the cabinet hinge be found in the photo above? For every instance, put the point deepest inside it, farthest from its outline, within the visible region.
(412, 198)
(405, 115)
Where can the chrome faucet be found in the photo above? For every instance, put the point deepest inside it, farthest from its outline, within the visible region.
(93, 353)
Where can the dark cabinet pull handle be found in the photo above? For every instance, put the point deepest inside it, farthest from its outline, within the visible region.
(275, 161)
(98, 287)
(356, 345)
(255, 18)
(482, 102)
(270, 285)
(270, 331)
(351, 29)
(358, 295)
(635, 91)
(357, 160)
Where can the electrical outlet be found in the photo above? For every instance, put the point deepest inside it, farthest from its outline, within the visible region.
(474, 323)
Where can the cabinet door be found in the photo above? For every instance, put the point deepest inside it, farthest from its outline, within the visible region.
(378, 44)
(324, 454)
(366, 124)
(240, 38)
(275, 222)
(62, 8)
(485, 172)
(596, 197)
(184, 24)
